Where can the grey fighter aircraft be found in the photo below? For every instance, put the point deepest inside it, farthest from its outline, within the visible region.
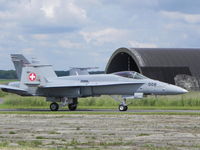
(37, 79)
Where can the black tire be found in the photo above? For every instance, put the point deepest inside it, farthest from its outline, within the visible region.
(72, 107)
(54, 107)
(123, 108)
(126, 108)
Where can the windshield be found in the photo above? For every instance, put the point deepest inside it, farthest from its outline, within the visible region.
(130, 74)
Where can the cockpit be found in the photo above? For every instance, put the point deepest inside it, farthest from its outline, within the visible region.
(130, 74)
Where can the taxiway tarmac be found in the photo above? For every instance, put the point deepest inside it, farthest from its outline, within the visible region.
(109, 110)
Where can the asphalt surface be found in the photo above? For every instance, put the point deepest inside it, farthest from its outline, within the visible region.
(109, 110)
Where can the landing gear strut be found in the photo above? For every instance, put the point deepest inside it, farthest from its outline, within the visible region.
(72, 107)
(123, 106)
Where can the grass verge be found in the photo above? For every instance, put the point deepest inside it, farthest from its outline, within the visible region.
(189, 101)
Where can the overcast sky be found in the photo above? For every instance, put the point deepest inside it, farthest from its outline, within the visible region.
(84, 33)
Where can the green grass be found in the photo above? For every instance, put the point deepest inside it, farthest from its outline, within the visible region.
(40, 137)
(34, 143)
(78, 128)
(143, 134)
(53, 132)
(6, 81)
(190, 100)
(153, 147)
(14, 101)
(187, 101)
(3, 94)
(3, 144)
(12, 132)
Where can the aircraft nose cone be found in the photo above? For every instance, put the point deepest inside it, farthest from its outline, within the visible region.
(184, 91)
(178, 90)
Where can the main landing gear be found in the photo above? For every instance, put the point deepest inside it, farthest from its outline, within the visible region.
(54, 106)
(72, 104)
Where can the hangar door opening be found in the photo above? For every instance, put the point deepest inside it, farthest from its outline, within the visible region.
(122, 62)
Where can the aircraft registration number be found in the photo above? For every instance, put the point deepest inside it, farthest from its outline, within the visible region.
(152, 84)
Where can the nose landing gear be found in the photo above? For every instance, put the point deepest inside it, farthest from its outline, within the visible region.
(123, 107)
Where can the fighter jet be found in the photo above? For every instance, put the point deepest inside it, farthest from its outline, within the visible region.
(36, 79)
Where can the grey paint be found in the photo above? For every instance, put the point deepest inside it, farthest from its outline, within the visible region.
(19, 61)
(41, 80)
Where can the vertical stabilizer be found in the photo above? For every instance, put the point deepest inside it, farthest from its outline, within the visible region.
(19, 62)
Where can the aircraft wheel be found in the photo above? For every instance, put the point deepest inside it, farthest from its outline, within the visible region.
(72, 107)
(126, 108)
(54, 106)
(123, 108)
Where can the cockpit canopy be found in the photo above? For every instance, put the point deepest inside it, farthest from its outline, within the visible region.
(130, 74)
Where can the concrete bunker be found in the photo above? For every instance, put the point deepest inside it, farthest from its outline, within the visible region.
(123, 62)
(162, 64)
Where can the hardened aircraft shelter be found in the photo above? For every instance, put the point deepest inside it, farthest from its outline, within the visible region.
(163, 64)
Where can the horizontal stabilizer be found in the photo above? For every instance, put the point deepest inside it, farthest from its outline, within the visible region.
(14, 90)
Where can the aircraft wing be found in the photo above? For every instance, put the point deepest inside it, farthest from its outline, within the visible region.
(15, 90)
(85, 84)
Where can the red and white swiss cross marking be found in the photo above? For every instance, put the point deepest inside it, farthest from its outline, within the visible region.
(32, 76)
